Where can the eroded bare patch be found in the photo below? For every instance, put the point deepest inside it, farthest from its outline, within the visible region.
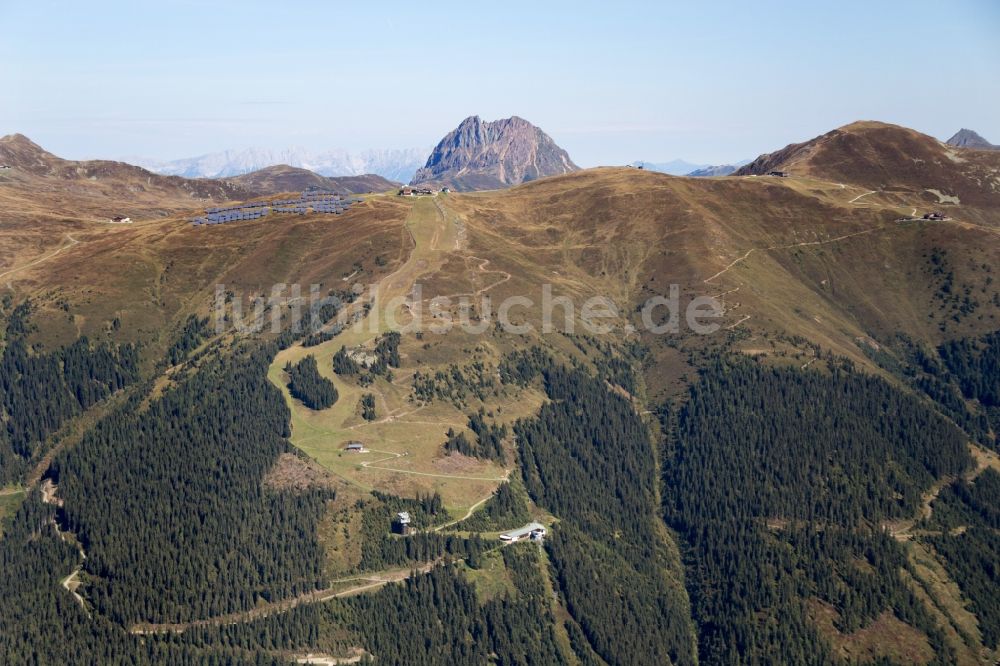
(886, 636)
(292, 472)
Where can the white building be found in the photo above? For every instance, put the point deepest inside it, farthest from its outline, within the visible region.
(533, 531)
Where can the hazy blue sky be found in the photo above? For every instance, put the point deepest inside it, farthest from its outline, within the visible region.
(610, 81)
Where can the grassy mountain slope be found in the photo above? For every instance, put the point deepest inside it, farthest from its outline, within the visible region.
(822, 263)
(894, 160)
(814, 267)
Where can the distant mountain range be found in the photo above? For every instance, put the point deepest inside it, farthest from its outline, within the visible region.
(673, 167)
(397, 165)
(966, 138)
(480, 155)
(717, 170)
(137, 192)
(685, 168)
(32, 167)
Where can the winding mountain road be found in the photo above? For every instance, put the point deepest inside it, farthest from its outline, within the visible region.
(72, 242)
(789, 246)
(468, 514)
(902, 530)
(365, 582)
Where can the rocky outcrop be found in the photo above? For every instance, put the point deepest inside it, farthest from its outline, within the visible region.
(480, 155)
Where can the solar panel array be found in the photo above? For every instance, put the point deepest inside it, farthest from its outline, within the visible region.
(317, 201)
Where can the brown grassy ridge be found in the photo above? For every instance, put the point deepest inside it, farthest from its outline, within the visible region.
(803, 256)
(151, 274)
(820, 266)
(892, 158)
(807, 255)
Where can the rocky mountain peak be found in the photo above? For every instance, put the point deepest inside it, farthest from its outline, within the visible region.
(966, 138)
(480, 155)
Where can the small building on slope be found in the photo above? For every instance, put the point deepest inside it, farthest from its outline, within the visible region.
(401, 523)
(533, 531)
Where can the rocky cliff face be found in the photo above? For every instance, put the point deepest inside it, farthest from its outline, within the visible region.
(480, 155)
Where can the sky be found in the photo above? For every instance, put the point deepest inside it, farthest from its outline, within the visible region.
(611, 82)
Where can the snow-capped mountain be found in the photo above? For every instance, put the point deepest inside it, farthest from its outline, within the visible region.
(394, 164)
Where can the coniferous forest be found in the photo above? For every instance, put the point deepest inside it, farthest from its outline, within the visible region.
(587, 459)
(486, 442)
(505, 510)
(40, 391)
(778, 482)
(185, 473)
(722, 532)
(306, 384)
(181, 473)
(963, 530)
